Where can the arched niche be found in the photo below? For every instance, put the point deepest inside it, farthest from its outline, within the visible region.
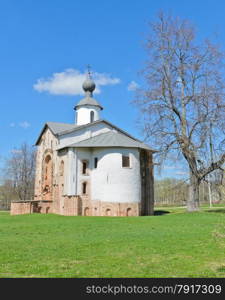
(129, 212)
(86, 211)
(108, 212)
(47, 177)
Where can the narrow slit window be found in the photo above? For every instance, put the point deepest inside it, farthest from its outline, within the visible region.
(125, 161)
(92, 116)
(84, 188)
(96, 162)
(84, 167)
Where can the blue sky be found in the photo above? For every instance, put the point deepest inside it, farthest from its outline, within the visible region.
(40, 39)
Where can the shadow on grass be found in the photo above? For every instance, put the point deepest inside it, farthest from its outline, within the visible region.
(161, 212)
(219, 210)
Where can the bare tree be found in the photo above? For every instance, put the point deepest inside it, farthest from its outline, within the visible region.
(20, 172)
(7, 194)
(182, 104)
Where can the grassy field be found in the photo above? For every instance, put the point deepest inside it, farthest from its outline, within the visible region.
(172, 244)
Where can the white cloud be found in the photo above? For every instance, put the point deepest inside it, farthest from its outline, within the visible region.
(24, 124)
(132, 86)
(69, 82)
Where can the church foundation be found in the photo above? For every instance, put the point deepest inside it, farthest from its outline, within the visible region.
(77, 206)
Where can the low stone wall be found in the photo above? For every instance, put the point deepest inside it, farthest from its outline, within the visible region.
(20, 208)
(28, 207)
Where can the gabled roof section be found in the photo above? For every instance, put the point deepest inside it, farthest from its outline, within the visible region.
(59, 129)
(92, 124)
(64, 128)
(109, 139)
(56, 128)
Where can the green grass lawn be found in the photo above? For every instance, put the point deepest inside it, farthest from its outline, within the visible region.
(172, 244)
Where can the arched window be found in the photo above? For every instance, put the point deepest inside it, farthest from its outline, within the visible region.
(47, 167)
(92, 116)
(84, 188)
(47, 159)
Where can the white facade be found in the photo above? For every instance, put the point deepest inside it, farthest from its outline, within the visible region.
(84, 133)
(109, 182)
(84, 114)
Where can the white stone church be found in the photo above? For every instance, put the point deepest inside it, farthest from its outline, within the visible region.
(91, 167)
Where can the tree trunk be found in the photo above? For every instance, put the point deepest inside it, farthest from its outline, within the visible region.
(193, 197)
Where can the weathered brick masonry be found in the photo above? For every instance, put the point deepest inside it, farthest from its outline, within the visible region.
(76, 206)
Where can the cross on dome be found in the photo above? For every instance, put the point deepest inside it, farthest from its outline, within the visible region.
(89, 71)
(88, 85)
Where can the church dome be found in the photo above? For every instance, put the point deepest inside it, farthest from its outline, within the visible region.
(88, 100)
(88, 85)
(87, 109)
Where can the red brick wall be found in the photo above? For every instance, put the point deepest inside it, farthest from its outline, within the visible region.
(45, 207)
(20, 208)
(98, 208)
(76, 205)
(71, 206)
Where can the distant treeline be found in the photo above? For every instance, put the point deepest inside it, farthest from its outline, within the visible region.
(172, 191)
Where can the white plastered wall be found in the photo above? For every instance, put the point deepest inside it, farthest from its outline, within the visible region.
(84, 154)
(113, 183)
(83, 114)
(110, 182)
(83, 134)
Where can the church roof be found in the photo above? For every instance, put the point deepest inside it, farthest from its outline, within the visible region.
(56, 128)
(119, 139)
(64, 128)
(110, 139)
(88, 100)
